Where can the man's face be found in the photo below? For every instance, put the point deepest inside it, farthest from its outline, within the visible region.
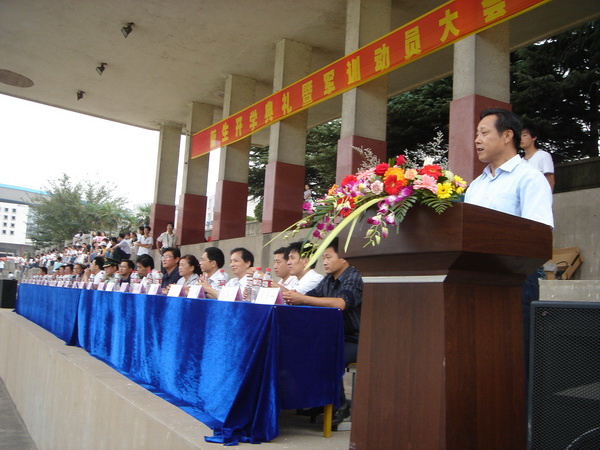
(68, 271)
(237, 265)
(142, 271)
(110, 270)
(169, 228)
(206, 264)
(332, 263)
(169, 261)
(280, 266)
(77, 270)
(295, 263)
(492, 145)
(94, 268)
(124, 270)
(526, 140)
(146, 231)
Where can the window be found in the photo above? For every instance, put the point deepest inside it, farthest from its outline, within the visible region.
(4, 224)
(3, 231)
(12, 225)
(14, 210)
(5, 217)
(5, 209)
(12, 233)
(12, 218)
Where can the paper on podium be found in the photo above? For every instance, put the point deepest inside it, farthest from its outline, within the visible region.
(230, 294)
(110, 286)
(154, 289)
(138, 288)
(269, 296)
(196, 291)
(124, 287)
(101, 286)
(176, 290)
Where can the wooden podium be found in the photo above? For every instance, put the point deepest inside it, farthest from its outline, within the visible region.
(440, 359)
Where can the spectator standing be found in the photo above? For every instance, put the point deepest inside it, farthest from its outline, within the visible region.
(145, 242)
(167, 238)
(539, 159)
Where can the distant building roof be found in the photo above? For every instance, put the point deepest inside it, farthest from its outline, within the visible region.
(16, 194)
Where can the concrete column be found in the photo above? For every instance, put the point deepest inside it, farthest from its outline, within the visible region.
(163, 208)
(191, 218)
(481, 81)
(364, 109)
(231, 196)
(285, 172)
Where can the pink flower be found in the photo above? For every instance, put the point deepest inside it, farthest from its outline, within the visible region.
(427, 182)
(317, 234)
(400, 160)
(375, 220)
(390, 219)
(307, 206)
(384, 232)
(365, 174)
(377, 187)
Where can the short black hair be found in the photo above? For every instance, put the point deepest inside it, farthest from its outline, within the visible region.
(176, 252)
(279, 251)
(300, 247)
(99, 260)
(215, 254)
(193, 261)
(129, 263)
(506, 120)
(247, 255)
(334, 245)
(531, 128)
(145, 261)
(171, 223)
(122, 235)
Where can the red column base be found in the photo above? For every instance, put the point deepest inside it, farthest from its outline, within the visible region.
(348, 160)
(464, 117)
(284, 189)
(160, 216)
(231, 199)
(191, 219)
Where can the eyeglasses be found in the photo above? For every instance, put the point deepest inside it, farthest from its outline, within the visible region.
(166, 256)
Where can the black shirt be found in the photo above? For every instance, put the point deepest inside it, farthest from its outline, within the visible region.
(170, 278)
(349, 287)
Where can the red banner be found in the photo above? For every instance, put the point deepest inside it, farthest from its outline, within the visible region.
(443, 26)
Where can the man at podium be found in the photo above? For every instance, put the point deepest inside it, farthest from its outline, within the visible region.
(510, 185)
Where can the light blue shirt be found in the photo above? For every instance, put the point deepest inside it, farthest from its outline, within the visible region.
(517, 189)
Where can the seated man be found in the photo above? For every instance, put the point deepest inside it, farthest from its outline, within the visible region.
(342, 288)
(281, 269)
(125, 270)
(211, 262)
(145, 265)
(170, 262)
(111, 266)
(308, 278)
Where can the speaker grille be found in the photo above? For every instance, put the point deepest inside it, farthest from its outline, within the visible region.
(564, 388)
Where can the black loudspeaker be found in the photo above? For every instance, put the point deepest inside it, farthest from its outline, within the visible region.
(564, 381)
(8, 293)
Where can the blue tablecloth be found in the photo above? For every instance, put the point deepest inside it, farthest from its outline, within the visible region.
(231, 365)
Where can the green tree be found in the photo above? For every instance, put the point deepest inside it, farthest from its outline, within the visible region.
(71, 207)
(556, 85)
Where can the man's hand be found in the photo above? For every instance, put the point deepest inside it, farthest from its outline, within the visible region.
(292, 297)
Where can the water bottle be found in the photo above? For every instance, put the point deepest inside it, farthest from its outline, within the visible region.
(117, 279)
(157, 277)
(135, 278)
(247, 294)
(256, 283)
(221, 280)
(267, 280)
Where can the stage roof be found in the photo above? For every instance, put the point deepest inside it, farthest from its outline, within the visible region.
(182, 51)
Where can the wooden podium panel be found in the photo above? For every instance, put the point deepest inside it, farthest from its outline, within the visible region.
(440, 358)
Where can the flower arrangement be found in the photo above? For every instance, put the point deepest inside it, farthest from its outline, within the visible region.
(392, 187)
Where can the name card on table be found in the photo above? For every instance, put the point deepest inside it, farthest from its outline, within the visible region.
(60, 284)
(196, 291)
(230, 294)
(176, 290)
(269, 296)
(110, 286)
(90, 285)
(154, 289)
(138, 288)
(53, 283)
(80, 285)
(124, 287)
(101, 286)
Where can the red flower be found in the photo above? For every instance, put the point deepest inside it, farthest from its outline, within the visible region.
(381, 168)
(348, 207)
(393, 185)
(349, 179)
(400, 160)
(432, 170)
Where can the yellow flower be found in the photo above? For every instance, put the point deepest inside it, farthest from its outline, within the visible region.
(444, 189)
(459, 182)
(460, 190)
(332, 189)
(399, 172)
